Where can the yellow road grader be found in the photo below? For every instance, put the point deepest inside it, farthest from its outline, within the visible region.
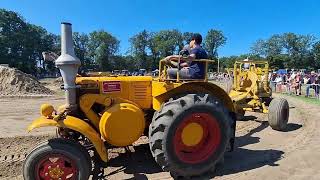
(251, 92)
(190, 122)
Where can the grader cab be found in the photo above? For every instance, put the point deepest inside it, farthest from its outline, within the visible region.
(251, 92)
(190, 123)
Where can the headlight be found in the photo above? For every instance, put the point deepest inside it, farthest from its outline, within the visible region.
(46, 110)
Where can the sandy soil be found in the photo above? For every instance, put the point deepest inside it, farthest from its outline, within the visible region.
(260, 153)
(17, 113)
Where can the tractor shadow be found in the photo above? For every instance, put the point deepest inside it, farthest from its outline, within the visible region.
(243, 159)
(137, 163)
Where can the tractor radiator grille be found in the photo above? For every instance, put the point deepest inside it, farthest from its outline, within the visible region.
(140, 92)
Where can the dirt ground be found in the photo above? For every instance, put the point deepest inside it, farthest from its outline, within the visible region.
(260, 153)
(17, 113)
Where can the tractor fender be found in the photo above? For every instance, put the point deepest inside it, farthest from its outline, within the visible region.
(196, 87)
(75, 124)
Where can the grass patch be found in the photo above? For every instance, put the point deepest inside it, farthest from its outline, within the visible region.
(305, 99)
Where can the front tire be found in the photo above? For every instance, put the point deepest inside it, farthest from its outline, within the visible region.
(189, 135)
(57, 158)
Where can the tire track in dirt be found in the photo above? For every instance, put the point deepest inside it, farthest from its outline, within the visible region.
(13, 152)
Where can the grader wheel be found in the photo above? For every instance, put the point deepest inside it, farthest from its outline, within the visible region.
(189, 135)
(58, 159)
(278, 114)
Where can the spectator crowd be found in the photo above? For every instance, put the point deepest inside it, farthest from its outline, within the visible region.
(293, 82)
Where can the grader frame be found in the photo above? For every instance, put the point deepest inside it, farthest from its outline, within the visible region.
(251, 91)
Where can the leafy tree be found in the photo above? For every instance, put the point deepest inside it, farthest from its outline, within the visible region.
(168, 42)
(298, 47)
(287, 50)
(119, 62)
(228, 62)
(259, 47)
(102, 46)
(13, 34)
(81, 48)
(139, 45)
(274, 45)
(131, 63)
(22, 43)
(155, 55)
(213, 41)
(38, 41)
(316, 53)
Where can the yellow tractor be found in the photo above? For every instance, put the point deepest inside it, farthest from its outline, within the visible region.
(190, 123)
(251, 92)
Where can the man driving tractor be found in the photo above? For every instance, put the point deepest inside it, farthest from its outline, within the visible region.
(190, 69)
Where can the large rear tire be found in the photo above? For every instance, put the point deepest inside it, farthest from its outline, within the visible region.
(198, 115)
(278, 114)
(57, 158)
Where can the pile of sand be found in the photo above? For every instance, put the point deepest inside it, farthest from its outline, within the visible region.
(58, 80)
(16, 82)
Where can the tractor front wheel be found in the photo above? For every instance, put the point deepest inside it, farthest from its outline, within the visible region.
(189, 135)
(58, 159)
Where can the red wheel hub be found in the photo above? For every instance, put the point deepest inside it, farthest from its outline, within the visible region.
(56, 166)
(208, 144)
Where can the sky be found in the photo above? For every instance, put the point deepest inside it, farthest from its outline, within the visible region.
(242, 21)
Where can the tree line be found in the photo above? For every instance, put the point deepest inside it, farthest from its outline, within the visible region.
(22, 44)
(287, 50)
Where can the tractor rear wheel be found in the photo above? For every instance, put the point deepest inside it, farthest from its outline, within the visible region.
(189, 135)
(278, 114)
(58, 159)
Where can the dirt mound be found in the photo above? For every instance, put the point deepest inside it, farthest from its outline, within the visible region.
(58, 80)
(16, 82)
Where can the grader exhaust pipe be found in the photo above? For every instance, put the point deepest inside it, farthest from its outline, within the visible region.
(68, 64)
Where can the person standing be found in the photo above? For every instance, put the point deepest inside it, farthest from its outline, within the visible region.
(311, 83)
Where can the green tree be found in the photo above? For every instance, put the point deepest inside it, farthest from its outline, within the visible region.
(213, 41)
(316, 53)
(298, 47)
(21, 43)
(227, 62)
(168, 42)
(274, 45)
(259, 48)
(119, 62)
(81, 48)
(139, 45)
(13, 31)
(38, 41)
(155, 55)
(102, 46)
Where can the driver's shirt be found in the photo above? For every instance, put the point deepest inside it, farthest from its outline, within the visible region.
(197, 69)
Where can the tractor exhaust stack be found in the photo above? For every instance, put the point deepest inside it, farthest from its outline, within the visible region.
(68, 64)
